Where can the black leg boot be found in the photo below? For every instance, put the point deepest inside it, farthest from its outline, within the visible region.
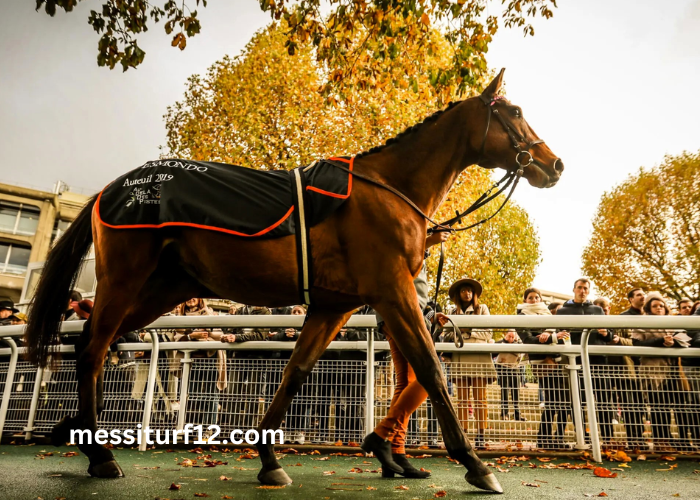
(409, 471)
(373, 443)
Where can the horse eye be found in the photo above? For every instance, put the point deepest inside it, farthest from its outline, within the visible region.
(517, 113)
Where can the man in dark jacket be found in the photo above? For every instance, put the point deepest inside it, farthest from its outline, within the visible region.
(580, 305)
(629, 390)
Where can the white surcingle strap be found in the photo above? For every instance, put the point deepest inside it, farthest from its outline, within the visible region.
(302, 235)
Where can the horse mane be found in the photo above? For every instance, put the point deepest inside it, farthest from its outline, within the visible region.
(409, 130)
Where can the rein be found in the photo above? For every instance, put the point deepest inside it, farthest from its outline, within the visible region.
(509, 180)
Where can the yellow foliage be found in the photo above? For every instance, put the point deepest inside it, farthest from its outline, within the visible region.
(646, 233)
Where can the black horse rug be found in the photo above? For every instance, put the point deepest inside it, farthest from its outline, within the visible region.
(220, 197)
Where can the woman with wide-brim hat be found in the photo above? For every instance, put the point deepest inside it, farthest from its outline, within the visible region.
(471, 371)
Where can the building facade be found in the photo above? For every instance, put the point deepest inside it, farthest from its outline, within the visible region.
(30, 221)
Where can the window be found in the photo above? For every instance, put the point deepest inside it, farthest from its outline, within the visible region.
(14, 258)
(59, 228)
(18, 218)
(85, 284)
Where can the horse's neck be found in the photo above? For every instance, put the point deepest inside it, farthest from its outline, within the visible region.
(425, 164)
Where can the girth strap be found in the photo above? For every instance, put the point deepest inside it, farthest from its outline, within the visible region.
(301, 233)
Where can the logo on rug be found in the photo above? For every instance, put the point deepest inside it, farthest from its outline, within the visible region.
(144, 196)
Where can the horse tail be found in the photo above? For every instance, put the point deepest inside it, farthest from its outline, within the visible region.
(55, 284)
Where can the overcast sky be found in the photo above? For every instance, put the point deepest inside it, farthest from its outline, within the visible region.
(610, 86)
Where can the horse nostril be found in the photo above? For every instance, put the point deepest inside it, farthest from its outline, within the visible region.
(559, 165)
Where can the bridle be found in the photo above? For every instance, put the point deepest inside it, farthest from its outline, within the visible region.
(523, 159)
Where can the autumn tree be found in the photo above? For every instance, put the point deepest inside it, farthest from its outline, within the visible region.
(356, 41)
(646, 233)
(259, 110)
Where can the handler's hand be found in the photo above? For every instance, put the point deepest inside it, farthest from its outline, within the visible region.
(441, 319)
(435, 238)
(544, 338)
(228, 338)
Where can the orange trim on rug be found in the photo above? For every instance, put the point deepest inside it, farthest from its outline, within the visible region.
(190, 224)
(337, 195)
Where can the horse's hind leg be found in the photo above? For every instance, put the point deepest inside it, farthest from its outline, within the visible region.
(321, 327)
(402, 316)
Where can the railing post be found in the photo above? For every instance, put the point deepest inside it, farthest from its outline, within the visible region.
(14, 354)
(573, 369)
(369, 380)
(150, 388)
(184, 384)
(35, 402)
(590, 397)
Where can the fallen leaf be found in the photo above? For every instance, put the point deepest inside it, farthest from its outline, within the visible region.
(226, 497)
(670, 467)
(355, 470)
(602, 494)
(224, 478)
(667, 458)
(270, 487)
(201, 495)
(619, 456)
(328, 472)
(534, 485)
(641, 457)
(174, 486)
(354, 444)
(371, 488)
(440, 494)
(603, 472)
(401, 487)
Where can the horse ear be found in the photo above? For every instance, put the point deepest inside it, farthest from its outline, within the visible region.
(495, 85)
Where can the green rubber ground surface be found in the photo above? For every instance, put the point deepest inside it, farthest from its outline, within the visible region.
(24, 476)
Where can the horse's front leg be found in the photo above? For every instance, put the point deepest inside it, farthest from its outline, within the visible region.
(403, 317)
(321, 327)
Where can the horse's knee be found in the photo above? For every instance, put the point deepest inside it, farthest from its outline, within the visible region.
(296, 376)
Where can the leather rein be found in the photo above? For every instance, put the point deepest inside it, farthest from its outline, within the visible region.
(523, 158)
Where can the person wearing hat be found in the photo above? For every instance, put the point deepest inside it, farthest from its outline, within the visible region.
(7, 309)
(475, 371)
(18, 319)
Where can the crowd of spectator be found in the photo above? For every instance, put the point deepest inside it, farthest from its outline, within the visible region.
(235, 387)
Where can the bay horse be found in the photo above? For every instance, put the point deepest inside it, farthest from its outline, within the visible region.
(367, 252)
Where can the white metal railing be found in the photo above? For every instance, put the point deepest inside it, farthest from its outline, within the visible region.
(572, 372)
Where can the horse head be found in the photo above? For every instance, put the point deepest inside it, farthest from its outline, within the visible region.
(508, 141)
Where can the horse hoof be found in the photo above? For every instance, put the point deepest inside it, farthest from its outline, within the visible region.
(106, 470)
(487, 483)
(275, 477)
